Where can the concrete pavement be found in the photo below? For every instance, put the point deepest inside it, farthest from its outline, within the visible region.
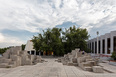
(50, 69)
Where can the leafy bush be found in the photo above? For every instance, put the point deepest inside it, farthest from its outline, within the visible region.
(114, 55)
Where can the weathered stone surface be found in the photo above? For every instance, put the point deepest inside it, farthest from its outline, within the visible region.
(51, 69)
(97, 69)
(76, 57)
(15, 57)
(70, 64)
(3, 65)
(88, 68)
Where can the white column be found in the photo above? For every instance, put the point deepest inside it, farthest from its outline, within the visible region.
(111, 44)
(97, 44)
(30, 52)
(106, 46)
(101, 44)
(35, 52)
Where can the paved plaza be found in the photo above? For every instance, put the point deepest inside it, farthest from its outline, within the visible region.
(50, 68)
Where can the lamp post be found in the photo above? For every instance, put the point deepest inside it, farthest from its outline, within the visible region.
(97, 41)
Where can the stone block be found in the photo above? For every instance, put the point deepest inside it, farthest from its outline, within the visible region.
(17, 48)
(75, 64)
(59, 60)
(92, 63)
(74, 60)
(80, 60)
(7, 61)
(70, 64)
(97, 69)
(64, 62)
(87, 68)
(73, 53)
(38, 59)
(13, 63)
(84, 64)
(28, 62)
(89, 59)
(3, 65)
(25, 60)
(32, 57)
(4, 60)
(6, 55)
(15, 52)
(14, 57)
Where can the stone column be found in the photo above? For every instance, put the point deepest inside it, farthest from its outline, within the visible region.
(101, 44)
(106, 45)
(111, 44)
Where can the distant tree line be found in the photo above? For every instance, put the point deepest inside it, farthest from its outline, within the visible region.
(2, 50)
(61, 41)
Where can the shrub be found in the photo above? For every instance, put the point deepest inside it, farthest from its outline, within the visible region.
(114, 55)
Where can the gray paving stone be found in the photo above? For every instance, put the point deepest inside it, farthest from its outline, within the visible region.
(50, 69)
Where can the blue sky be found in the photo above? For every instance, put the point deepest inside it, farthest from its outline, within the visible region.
(21, 19)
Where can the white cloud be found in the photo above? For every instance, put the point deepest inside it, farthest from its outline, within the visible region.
(32, 15)
(6, 41)
(1, 37)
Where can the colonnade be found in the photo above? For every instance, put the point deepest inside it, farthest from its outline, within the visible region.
(106, 44)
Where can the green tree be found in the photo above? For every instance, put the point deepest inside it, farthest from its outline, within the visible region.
(75, 38)
(2, 50)
(23, 46)
(37, 42)
(114, 55)
(51, 40)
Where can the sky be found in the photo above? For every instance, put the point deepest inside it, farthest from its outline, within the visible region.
(21, 19)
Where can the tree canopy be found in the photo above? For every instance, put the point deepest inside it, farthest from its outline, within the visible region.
(2, 50)
(61, 42)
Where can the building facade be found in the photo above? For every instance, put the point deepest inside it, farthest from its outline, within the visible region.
(31, 50)
(29, 47)
(106, 44)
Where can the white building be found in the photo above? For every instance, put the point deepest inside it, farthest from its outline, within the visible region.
(29, 47)
(106, 44)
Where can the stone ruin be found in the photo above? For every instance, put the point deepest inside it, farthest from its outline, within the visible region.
(84, 61)
(14, 57)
